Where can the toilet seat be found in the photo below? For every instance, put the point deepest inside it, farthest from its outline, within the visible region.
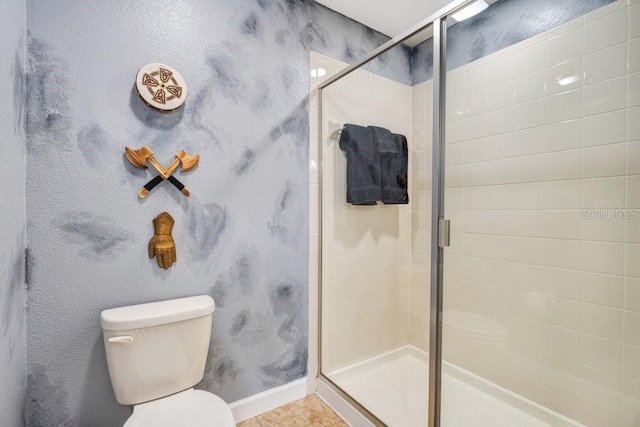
(193, 408)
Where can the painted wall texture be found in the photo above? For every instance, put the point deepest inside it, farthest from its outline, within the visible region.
(503, 24)
(12, 215)
(241, 237)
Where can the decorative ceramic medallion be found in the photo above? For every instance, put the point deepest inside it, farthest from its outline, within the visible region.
(161, 87)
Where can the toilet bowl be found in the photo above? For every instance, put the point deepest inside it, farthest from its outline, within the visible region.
(187, 408)
(156, 353)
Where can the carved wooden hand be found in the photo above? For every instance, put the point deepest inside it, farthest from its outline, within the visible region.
(161, 244)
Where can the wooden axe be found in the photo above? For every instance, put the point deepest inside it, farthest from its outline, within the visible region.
(139, 158)
(188, 163)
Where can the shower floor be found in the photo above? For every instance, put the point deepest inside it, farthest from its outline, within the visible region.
(394, 387)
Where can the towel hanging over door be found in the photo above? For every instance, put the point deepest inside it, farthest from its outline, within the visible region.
(377, 164)
(363, 165)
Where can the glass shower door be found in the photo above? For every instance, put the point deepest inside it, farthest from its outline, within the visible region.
(375, 258)
(540, 310)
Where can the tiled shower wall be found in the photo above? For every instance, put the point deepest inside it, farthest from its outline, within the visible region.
(422, 137)
(541, 136)
(366, 250)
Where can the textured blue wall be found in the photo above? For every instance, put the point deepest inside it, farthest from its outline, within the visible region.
(12, 215)
(503, 24)
(241, 237)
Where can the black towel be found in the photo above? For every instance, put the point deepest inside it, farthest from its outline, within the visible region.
(385, 140)
(394, 178)
(363, 165)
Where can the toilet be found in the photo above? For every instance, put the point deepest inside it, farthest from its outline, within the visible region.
(156, 353)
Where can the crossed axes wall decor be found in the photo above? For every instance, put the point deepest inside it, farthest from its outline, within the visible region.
(140, 157)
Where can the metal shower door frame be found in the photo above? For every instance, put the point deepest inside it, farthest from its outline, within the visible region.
(439, 23)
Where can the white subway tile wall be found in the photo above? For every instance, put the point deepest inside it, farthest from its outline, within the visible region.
(536, 134)
(420, 206)
(367, 251)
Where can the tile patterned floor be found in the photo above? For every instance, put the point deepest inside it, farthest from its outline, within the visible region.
(308, 412)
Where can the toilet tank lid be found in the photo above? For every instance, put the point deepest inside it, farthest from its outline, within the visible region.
(156, 313)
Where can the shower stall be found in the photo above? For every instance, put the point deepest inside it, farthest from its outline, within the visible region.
(507, 291)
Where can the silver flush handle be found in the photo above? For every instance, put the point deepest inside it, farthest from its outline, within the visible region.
(125, 340)
(444, 233)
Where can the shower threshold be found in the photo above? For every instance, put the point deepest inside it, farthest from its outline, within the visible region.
(394, 386)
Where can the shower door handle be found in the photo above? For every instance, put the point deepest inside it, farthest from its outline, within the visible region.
(444, 233)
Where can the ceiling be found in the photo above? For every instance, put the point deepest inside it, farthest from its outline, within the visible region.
(390, 17)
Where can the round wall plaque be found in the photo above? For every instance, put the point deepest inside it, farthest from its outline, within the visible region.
(161, 87)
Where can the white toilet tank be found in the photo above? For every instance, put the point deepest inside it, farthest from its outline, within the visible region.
(157, 349)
